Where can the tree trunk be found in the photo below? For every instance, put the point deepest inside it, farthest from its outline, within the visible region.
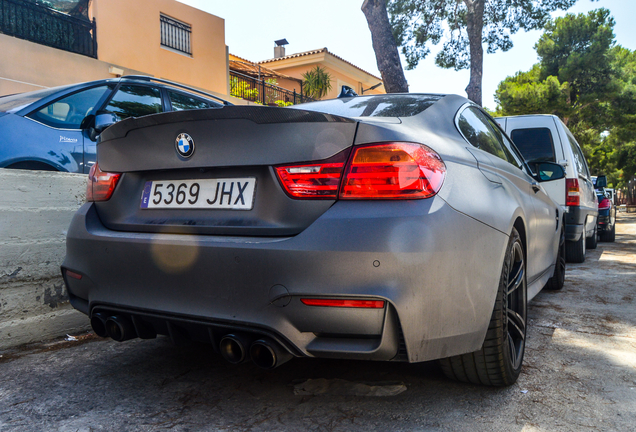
(386, 52)
(475, 27)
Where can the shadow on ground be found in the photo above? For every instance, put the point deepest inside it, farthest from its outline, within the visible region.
(579, 374)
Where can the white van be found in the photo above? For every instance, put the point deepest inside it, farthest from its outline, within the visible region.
(544, 138)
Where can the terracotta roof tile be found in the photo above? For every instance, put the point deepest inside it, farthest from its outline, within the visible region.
(316, 51)
(247, 67)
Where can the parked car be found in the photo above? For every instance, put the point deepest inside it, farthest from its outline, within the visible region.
(606, 224)
(542, 138)
(398, 227)
(53, 129)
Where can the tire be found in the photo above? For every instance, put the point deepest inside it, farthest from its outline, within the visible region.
(498, 362)
(609, 236)
(557, 280)
(591, 242)
(575, 251)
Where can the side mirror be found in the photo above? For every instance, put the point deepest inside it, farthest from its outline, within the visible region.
(101, 121)
(88, 121)
(346, 92)
(548, 171)
(601, 182)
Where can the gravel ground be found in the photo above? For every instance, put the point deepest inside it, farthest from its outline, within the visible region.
(579, 375)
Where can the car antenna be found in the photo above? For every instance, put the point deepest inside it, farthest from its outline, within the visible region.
(347, 92)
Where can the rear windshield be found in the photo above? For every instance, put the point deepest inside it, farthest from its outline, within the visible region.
(16, 102)
(535, 144)
(373, 106)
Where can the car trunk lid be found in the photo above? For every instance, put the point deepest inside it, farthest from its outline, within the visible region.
(235, 150)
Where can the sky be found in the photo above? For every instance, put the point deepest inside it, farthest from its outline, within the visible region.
(252, 26)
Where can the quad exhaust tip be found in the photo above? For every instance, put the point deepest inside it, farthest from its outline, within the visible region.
(265, 353)
(120, 328)
(234, 348)
(98, 323)
(268, 354)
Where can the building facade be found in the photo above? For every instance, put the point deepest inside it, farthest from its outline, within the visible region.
(83, 40)
(162, 38)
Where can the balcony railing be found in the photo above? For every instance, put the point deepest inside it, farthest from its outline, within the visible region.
(45, 26)
(262, 92)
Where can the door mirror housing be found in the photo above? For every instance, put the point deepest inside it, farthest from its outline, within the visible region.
(88, 121)
(601, 182)
(104, 119)
(549, 171)
(101, 121)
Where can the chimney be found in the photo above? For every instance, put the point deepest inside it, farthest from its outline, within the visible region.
(279, 49)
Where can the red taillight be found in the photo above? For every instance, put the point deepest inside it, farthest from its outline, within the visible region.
(73, 275)
(376, 171)
(393, 171)
(101, 185)
(605, 204)
(319, 180)
(573, 193)
(365, 304)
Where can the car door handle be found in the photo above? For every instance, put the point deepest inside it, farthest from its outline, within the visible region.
(535, 187)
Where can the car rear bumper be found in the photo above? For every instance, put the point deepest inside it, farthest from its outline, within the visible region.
(604, 221)
(579, 221)
(573, 232)
(436, 269)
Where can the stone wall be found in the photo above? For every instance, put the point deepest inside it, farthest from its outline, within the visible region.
(36, 208)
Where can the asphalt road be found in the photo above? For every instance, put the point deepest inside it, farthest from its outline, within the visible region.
(579, 375)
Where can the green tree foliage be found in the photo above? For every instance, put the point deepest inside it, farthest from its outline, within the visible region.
(464, 26)
(589, 83)
(317, 82)
(525, 93)
(622, 113)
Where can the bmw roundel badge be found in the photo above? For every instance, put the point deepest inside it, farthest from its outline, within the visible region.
(185, 145)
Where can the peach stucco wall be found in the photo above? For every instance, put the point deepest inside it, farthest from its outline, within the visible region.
(30, 66)
(128, 33)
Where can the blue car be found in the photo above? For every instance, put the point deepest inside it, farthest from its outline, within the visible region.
(54, 129)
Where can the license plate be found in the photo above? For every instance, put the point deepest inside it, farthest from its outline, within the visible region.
(224, 193)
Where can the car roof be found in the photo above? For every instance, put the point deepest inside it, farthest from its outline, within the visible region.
(137, 79)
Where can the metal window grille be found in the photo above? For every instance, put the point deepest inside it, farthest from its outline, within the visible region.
(175, 34)
(36, 23)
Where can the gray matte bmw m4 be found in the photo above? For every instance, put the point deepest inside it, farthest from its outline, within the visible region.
(401, 227)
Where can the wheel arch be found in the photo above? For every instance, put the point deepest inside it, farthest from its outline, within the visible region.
(33, 165)
(520, 226)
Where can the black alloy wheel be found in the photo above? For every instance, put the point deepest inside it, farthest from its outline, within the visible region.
(516, 308)
(498, 362)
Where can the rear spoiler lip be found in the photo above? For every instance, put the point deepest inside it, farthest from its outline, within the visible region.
(256, 114)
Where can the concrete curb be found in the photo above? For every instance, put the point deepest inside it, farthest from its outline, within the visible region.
(36, 208)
